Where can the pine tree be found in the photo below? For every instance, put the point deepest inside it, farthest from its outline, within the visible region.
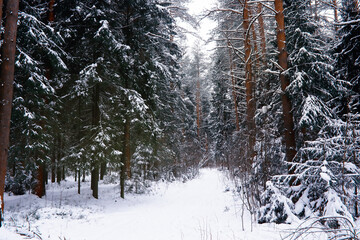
(289, 134)
(6, 90)
(311, 85)
(347, 57)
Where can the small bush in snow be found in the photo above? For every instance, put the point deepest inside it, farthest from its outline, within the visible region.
(275, 206)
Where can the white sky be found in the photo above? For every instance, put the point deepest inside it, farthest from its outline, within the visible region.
(198, 8)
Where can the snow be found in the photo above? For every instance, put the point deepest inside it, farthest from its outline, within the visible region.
(203, 208)
(325, 176)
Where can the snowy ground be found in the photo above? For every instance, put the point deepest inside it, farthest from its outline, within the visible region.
(200, 209)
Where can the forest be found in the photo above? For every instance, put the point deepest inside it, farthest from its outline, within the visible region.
(109, 91)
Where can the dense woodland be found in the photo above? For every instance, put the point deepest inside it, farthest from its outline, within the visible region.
(107, 88)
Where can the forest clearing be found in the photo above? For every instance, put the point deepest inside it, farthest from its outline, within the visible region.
(203, 208)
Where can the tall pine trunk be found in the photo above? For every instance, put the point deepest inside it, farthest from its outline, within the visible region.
(122, 177)
(51, 19)
(41, 172)
(6, 89)
(262, 33)
(102, 170)
(127, 152)
(336, 19)
(78, 169)
(40, 187)
(125, 170)
(284, 81)
(198, 102)
(53, 162)
(78, 180)
(249, 88)
(95, 124)
(58, 162)
(233, 83)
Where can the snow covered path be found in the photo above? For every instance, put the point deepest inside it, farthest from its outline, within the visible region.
(199, 209)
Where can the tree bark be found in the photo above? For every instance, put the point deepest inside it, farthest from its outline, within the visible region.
(125, 170)
(6, 89)
(262, 34)
(284, 81)
(51, 19)
(102, 170)
(78, 169)
(53, 162)
(40, 187)
(249, 87)
(257, 57)
(79, 181)
(198, 102)
(51, 16)
(95, 179)
(122, 177)
(95, 123)
(58, 162)
(1, 23)
(232, 65)
(336, 18)
(316, 10)
(127, 152)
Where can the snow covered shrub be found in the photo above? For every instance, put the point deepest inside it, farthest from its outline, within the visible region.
(327, 178)
(276, 207)
(111, 178)
(334, 207)
(326, 175)
(318, 228)
(20, 180)
(138, 185)
(327, 168)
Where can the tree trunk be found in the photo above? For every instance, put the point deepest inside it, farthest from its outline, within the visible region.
(232, 65)
(284, 80)
(127, 152)
(79, 139)
(1, 25)
(95, 179)
(102, 170)
(249, 87)
(40, 187)
(51, 19)
(51, 16)
(46, 176)
(156, 161)
(254, 37)
(125, 170)
(122, 177)
(262, 34)
(58, 162)
(198, 103)
(95, 123)
(336, 19)
(79, 181)
(53, 162)
(6, 89)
